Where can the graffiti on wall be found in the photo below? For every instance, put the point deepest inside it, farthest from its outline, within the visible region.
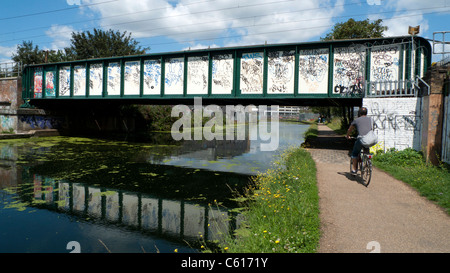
(42, 122)
(280, 78)
(6, 123)
(393, 116)
(313, 71)
(197, 77)
(348, 70)
(384, 63)
(38, 82)
(114, 79)
(79, 80)
(222, 74)
(50, 84)
(174, 76)
(132, 78)
(64, 81)
(397, 121)
(96, 79)
(252, 73)
(152, 77)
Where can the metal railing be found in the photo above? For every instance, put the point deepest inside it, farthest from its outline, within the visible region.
(10, 70)
(402, 88)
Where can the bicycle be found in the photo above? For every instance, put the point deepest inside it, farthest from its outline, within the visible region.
(364, 166)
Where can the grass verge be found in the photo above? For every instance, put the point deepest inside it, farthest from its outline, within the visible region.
(310, 135)
(335, 125)
(408, 165)
(282, 209)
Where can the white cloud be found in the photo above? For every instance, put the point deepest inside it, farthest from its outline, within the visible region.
(6, 53)
(243, 21)
(409, 13)
(61, 36)
(200, 46)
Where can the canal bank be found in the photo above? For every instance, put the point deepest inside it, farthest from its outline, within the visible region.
(281, 209)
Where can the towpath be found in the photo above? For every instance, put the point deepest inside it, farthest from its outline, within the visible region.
(386, 216)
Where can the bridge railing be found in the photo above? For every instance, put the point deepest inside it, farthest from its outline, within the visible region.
(402, 88)
(10, 69)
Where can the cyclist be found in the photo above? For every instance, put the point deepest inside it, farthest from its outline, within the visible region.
(363, 124)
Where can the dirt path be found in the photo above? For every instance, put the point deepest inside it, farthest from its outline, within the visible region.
(388, 211)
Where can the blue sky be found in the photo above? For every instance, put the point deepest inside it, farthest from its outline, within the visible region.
(174, 25)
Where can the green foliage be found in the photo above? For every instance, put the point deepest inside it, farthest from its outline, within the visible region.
(283, 214)
(101, 44)
(356, 30)
(157, 117)
(84, 45)
(27, 53)
(404, 158)
(310, 135)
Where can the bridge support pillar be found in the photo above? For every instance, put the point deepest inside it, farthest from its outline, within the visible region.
(433, 114)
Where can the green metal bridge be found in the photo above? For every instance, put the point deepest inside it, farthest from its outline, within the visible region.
(312, 73)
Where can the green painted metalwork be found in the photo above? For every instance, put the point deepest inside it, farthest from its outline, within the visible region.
(325, 69)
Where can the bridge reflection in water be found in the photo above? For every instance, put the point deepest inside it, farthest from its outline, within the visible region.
(176, 219)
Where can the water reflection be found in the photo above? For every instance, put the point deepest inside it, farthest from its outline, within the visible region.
(126, 194)
(238, 156)
(133, 210)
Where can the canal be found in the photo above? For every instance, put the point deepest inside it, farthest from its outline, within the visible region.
(125, 196)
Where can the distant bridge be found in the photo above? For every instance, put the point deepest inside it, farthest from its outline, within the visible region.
(312, 73)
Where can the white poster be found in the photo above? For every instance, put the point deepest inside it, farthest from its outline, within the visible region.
(197, 78)
(113, 79)
(174, 76)
(280, 78)
(313, 71)
(64, 81)
(348, 70)
(252, 67)
(79, 80)
(95, 80)
(152, 77)
(384, 63)
(132, 78)
(222, 74)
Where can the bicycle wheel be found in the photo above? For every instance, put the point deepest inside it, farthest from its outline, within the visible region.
(366, 171)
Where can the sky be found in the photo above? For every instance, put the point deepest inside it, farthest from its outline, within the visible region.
(176, 25)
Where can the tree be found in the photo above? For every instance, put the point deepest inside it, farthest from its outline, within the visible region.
(101, 44)
(356, 30)
(27, 53)
(84, 45)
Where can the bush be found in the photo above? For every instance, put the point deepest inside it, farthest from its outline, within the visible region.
(407, 157)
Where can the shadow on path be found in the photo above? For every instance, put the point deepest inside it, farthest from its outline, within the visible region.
(328, 139)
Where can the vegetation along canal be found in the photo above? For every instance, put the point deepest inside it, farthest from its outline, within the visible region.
(121, 196)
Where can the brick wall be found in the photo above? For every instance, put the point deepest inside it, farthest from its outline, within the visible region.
(10, 100)
(397, 121)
